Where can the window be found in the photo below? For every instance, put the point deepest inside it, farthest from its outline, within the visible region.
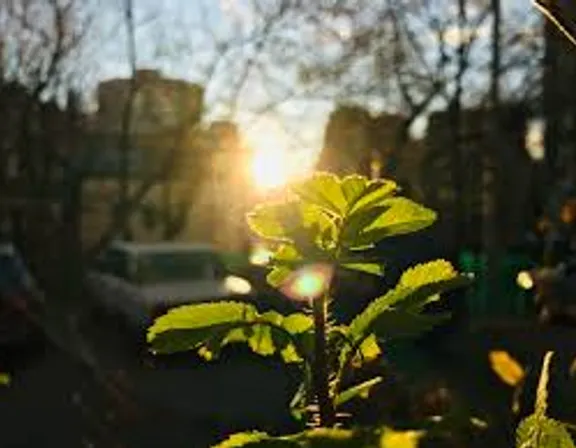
(178, 267)
(115, 262)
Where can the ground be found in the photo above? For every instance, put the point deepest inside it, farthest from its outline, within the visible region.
(92, 388)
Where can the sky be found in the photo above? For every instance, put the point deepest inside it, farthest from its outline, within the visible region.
(186, 50)
(178, 37)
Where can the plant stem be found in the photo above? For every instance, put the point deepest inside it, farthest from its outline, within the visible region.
(320, 373)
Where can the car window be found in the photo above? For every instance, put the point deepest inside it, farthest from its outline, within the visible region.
(115, 262)
(178, 266)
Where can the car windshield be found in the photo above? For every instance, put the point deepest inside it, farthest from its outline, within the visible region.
(177, 266)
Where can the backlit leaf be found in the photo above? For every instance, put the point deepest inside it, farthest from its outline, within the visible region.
(369, 348)
(400, 216)
(539, 431)
(361, 390)
(245, 440)
(417, 287)
(328, 438)
(278, 275)
(355, 224)
(323, 190)
(186, 327)
(206, 328)
(369, 268)
(375, 193)
(297, 323)
(424, 273)
(506, 367)
(287, 254)
(354, 187)
(4, 379)
(401, 439)
(265, 222)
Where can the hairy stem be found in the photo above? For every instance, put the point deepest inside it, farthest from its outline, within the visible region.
(320, 370)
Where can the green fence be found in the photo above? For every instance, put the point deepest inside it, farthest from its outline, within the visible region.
(505, 299)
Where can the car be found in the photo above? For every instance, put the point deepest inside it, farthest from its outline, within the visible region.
(141, 281)
(21, 307)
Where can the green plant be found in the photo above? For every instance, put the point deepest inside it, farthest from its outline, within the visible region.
(326, 224)
(538, 430)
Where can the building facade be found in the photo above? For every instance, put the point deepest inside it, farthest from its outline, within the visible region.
(188, 168)
(461, 198)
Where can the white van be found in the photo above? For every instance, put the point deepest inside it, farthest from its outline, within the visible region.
(140, 281)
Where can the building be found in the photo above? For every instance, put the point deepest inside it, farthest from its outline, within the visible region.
(356, 141)
(559, 106)
(189, 170)
(158, 103)
(461, 199)
(348, 144)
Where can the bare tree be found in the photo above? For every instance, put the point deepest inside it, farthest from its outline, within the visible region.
(39, 42)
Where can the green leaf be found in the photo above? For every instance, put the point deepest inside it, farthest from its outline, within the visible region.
(357, 438)
(425, 273)
(260, 340)
(356, 223)
(417, 287)
(400, 216)
(401, 439)
(353, 187)
(287, 255)
(4, 379)
(207, 328)
(360, 390)
(374, 194)
(297, 323)
(369, 349)
(278, 275)
(186, 327)
(299, 405)
(369, 268)
(255, 439)
(265, 222)
(328, 438)
(539, 431)
(315, 232)
(323, 190)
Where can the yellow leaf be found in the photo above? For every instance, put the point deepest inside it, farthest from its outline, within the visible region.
(4, 379)
(506, 367)
(206, 354)
(368, 351)
(400, 439)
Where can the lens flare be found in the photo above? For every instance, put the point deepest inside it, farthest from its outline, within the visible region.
(308, 282)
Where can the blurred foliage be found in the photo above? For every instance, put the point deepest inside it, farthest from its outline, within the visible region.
(4, 379)
(538, 430)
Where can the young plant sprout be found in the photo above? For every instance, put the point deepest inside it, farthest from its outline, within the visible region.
(325, 224)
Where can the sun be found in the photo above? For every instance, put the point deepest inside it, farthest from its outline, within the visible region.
(269, 168)
(274, 163)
